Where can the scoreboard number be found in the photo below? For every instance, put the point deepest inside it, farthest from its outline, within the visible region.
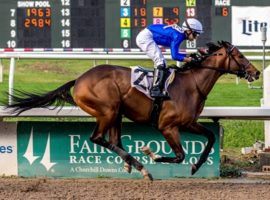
(158, 12)
(125, 22)
(13, 33)
(65, 12)
(125, 43)
(65, 2)
(191, 44)
(125, 12)
(12, 23)
(65, 33)
(125, 2)
(11, 44)
(125, 33)
(12, 12)
(158, 21)
(190, 12)
(222, 11)
(190, 3)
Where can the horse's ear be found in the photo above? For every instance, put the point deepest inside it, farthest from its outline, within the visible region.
(229, 43)
(220, 43)
(223, 43)
(226, 43)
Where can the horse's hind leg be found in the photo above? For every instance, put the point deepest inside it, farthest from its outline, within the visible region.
(197, 128)
(104, 105)
(115, 138)
(103, 125)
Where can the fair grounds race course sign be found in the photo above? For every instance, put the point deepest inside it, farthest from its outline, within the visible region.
(63, 149)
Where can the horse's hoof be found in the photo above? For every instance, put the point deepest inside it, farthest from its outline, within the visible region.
(146, 150)
(127, 168)
(193, 169)
(148, 177)
(158, 158)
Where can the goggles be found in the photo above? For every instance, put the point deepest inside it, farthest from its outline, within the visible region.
(195, 34)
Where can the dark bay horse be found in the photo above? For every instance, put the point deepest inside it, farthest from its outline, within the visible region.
(105, 92)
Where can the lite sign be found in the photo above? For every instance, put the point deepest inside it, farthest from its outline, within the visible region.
(247, 23)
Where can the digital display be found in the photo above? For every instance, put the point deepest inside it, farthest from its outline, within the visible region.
(222, 11)
(37, 17)
(33, 26)
(92, 23)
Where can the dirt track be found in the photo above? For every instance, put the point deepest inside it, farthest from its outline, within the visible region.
(19, 188)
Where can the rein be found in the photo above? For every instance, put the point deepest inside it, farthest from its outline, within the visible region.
(240, 73)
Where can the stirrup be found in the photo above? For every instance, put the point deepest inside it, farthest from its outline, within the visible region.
(155, 92)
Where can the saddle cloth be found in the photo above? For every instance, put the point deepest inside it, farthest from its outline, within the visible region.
(142, 79)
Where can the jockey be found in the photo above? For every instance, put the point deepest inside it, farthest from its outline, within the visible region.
(169, 36)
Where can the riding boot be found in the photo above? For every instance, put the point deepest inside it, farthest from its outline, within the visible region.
(157, 90)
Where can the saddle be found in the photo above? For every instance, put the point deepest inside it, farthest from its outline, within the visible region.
(142, 80)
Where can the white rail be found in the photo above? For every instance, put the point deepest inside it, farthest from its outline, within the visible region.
(247, 113)
(92, 56)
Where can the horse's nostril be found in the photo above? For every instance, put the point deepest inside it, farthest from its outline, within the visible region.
(258, 73)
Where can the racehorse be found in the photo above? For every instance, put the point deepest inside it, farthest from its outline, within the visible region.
(105, 93)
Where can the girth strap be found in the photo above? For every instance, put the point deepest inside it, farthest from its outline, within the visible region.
(156, 108)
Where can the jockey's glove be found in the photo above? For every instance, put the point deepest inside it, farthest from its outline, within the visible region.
(196, 60)
(195, 63)
(196, 57)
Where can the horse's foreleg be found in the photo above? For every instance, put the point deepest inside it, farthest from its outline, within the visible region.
(197, 128)
(172, 137)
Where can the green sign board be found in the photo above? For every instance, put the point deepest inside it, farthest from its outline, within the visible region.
(63, 149)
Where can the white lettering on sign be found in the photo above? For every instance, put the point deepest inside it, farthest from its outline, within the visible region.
(77, 145)
(36, 4)
(83, 160)
(222, 2)
(80, 147)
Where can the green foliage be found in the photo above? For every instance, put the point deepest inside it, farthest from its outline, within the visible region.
(232, 94)
(229, 171)
(242, 133)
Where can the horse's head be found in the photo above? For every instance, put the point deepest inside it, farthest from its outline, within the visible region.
(229, 59)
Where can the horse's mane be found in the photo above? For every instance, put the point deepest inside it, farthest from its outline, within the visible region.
(213, 47)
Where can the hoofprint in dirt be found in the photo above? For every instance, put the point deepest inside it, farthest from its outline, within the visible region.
(105, 189)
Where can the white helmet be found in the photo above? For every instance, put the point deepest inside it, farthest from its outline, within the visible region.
(193, 25)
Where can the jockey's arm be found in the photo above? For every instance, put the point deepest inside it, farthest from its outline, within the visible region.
(182, 57)
(175, 53)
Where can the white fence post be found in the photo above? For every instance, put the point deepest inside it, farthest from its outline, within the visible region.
(266, 103)
(1, 71)
(11, 78)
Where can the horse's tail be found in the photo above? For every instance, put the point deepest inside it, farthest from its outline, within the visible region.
(22, 101)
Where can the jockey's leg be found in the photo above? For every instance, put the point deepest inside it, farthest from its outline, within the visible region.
(145, 41)
(159, 79)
